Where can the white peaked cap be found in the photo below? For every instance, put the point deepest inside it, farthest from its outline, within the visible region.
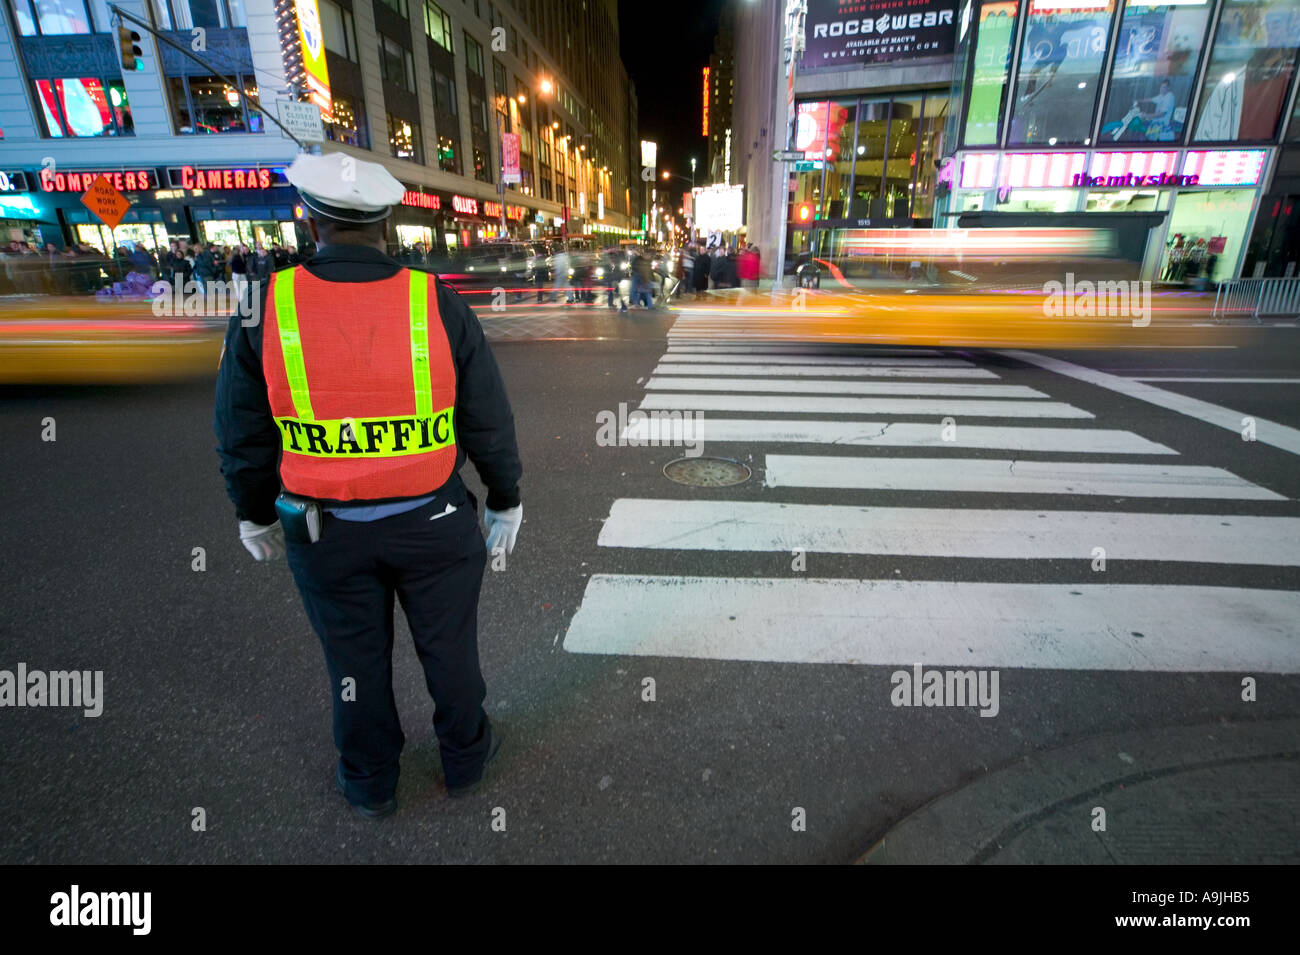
(340, 186)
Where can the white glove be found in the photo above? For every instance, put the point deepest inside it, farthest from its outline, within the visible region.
(264, 542)
(503, 527)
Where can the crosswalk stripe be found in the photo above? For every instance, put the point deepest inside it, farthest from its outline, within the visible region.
(1021, 477)
(824, 371)
(1136, 627)
(890, 434)
(854, 361)
(950, 532)
(794, 385)
(816, 404)
(1266, 432)
(799, 348)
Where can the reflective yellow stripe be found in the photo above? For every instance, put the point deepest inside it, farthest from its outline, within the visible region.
(286, 318)
(420, 344)
(367, 437)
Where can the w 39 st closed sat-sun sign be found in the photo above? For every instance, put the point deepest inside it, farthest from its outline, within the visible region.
(839, 32)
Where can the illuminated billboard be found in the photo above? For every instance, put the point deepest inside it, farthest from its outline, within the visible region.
(719, 208)
(302, 47)
(312, 38)
(705, 130)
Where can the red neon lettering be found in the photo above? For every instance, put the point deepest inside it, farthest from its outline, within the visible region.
(239, 179)
(264, 178)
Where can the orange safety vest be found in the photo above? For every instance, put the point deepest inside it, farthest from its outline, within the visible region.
(362, 386)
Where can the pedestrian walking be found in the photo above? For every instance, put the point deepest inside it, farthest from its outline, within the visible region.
(560, 263)
(372, 383)
(701, 276)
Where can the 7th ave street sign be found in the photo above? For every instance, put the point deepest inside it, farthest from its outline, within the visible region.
(787, 155)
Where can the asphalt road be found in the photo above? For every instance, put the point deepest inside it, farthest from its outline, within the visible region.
(215, 692)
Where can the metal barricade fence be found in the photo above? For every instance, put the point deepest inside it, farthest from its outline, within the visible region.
(1257, 298)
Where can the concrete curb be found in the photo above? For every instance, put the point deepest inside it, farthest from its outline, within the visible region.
(977, 822)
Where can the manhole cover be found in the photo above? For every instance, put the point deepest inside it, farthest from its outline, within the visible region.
(706, 472)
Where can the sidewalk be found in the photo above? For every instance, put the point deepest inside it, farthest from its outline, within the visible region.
(1225, 793)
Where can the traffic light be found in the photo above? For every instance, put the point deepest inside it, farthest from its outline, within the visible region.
(803, 212)
(128, 42)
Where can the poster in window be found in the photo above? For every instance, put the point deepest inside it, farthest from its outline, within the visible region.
(839, 32)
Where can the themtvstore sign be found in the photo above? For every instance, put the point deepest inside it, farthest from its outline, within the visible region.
(877, 31)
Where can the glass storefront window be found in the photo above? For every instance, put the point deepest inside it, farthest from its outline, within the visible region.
(1250, 70)
(211, 106)
(992, 60)
(934, 119)
(482, 168)
(839, 157)
(1060, 63)
(344, 125)
(54, 17)
(1206, 232)
(900, 166)
(869, 159)
(1155, 70)
(404, 138)
(448, 160)
(1039, 200)
(1122, 200)
(84, 107)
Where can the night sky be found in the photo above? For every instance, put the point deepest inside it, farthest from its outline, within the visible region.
(665, 46)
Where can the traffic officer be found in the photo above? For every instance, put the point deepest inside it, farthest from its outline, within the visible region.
(345, 408)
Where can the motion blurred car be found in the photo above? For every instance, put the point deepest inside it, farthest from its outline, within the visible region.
(487, 266)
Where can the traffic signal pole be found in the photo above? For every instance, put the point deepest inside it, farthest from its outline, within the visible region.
(251, 101)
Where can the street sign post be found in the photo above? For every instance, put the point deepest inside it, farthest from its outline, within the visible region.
(787, 155)
(301, 121)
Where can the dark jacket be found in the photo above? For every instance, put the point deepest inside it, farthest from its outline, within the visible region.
(248, 439)
(703, 263)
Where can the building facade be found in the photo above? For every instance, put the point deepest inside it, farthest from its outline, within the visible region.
(427, 89)
(867, 112)
(1172, 125)
(720, 94)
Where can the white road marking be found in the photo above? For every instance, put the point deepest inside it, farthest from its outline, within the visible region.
(1228, 381)
(1020, 477)
(784, 404)
(768, 527)
(892, 434)
(856, 361)
(1266, 432)
(792, 385)
(824, 371)
(899, 623)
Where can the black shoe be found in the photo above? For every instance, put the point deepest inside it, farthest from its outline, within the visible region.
(458, 792)
(371, 811)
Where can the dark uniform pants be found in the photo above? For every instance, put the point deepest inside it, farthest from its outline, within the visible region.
(348, 579)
